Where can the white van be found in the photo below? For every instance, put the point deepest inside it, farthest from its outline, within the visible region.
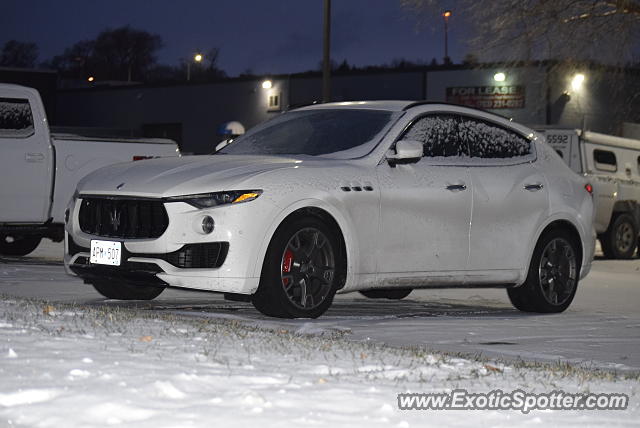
(613, 167)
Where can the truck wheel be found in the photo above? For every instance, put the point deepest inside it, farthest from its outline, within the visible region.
(553, 275)
(299, 278)
(120, 291)
(16, 245)
(620, 239)
(391, 294)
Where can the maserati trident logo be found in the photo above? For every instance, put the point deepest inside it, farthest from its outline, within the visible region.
(115, 219)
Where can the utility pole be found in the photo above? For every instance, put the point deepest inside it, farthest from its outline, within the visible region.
(326, 57)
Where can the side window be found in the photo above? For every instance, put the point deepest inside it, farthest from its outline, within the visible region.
(438, 133)
(487, 140)
(16, 119)
(605, 160)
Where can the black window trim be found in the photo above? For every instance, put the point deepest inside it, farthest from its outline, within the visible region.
(469, 162)
(596, 163)
(33, 122)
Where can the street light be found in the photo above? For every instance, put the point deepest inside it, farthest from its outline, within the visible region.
(446, 15)
(499, 77)
(267, 84)
(197, 58)
(576, 82)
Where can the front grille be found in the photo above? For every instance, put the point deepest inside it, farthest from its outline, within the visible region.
(123, 218)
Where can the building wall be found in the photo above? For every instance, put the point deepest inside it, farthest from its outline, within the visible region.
(603, 102)
(532, 78)
(379, 86)
(199, 109)
(193, 113)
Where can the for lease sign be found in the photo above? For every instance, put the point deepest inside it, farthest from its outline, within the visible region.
(487, 97)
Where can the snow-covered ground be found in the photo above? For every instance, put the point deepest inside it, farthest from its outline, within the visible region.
(601, 328)
(66, 365)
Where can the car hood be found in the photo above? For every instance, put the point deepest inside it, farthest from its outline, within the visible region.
(181, 176)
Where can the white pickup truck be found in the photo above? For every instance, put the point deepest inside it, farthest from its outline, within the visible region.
(39, 171)
(612, 165)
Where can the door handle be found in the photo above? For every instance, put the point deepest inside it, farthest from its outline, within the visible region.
(34, 157)
(533, 187)
(454, 187)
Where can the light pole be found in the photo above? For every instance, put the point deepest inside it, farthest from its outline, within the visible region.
(446, 15)
(197, 58)
(326, 53)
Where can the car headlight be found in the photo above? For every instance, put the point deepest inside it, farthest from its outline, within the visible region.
(209, 200)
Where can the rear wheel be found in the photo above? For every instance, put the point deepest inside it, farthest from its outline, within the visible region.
(18, 245)
(621, 238)
(553, 275)
(299, 275)
(389, 293)
(121, 291)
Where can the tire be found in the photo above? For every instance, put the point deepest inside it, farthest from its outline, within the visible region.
(300, 272)
(123, 291)
(15, 245)
(555, 261)
(390, 293)
(620, 239)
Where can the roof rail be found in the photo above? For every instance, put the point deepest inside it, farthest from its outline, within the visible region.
(426, 102)
(300, 105)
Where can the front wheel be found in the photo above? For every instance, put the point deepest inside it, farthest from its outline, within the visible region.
(17, 245)
(553, 275)
(122, 291)
(299, 275)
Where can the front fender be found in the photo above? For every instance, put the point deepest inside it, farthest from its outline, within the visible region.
(345, 224)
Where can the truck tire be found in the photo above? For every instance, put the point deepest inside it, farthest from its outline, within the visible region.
(16, 245)
(620, 239)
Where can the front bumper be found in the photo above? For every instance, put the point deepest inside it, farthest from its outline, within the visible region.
(225, 260)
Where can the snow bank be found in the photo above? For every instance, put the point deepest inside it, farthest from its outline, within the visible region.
(84, 367)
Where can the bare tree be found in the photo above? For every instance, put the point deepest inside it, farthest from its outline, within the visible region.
(126, 53)
(19, 54)
(564, 37)
(606, 31)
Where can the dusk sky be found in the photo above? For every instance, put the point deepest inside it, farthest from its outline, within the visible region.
(278, 36)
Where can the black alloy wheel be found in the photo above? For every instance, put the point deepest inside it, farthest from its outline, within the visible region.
(553, 275)
(299, 275)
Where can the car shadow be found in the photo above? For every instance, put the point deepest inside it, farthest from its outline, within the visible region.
(346, 310)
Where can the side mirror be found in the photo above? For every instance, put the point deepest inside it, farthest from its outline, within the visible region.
(407, 151)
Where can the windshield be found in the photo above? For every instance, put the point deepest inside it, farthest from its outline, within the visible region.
(335, 133)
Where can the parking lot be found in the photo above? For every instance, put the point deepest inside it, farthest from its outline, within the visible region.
(600, 330)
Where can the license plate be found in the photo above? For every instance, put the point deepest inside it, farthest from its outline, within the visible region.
(105, 252)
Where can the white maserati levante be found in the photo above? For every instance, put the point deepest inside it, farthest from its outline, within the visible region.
(376, 197)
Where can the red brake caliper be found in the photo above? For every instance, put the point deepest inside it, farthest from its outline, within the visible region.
(287, 261)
